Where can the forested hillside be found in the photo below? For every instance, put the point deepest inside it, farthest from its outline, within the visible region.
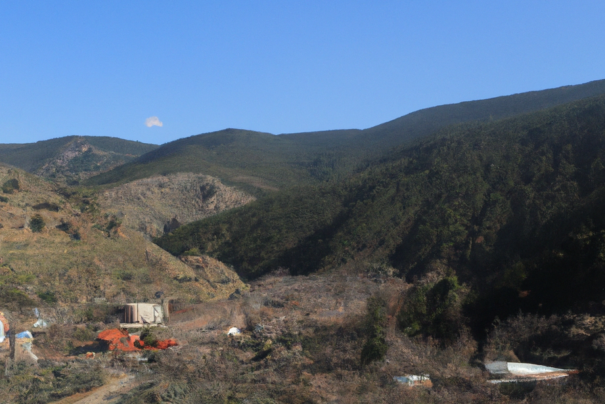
(254, 160)
(263, 162)
(511, 206)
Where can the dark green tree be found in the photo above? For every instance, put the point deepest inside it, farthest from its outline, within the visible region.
(375, 347)
(36, 223)
(10, 186)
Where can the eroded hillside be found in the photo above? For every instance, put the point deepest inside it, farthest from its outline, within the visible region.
(160, 204)
(63, 247)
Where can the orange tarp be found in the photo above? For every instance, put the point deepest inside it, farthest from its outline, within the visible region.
(167, 343)
(119, 339)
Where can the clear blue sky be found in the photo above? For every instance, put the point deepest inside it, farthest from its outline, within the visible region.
(101, 68)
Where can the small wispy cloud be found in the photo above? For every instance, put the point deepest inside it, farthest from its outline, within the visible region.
(153, 121)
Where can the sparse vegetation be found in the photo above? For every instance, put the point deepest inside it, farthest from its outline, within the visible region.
(49, 383)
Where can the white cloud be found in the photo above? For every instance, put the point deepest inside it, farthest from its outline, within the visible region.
(153, 121)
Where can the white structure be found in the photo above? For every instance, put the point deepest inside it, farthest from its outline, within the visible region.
(139, 314)
(234, 331)
(414, 380)
(524, 372)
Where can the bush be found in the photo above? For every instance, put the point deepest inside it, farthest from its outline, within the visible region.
(48, 297)
(375, 347)
(14, 298)
(10, 186)
(124, 275)
(434, 310)
(192, 252)
(96, 313)
(84, 334)
(47, 206)
(148, 338)
(3, 199)
(113, 223)
(36, 223)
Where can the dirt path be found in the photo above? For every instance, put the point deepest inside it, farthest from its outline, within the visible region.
(106, 394)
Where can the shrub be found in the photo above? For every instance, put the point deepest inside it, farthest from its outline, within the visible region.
(434, 310)
(375, 347)
(84, 334)
(192, 252)
(10, 186)
(113, 223)
(47, 205)
(124, 275)
(36, 223)
(148, 338)
(48, 297)
(3, 199)
(15, 298)
(95, 313)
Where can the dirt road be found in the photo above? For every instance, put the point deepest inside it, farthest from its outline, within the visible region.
(107, 394)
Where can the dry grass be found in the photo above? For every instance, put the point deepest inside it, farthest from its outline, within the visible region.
(301, 343)
(306, 350)
(105, 260)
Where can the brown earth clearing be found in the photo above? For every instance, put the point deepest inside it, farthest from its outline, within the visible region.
(301, 341)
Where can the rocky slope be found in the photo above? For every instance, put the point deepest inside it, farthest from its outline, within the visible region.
(83, 253)
(158, 205)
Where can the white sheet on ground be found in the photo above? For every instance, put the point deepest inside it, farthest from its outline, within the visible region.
(519, 369)
(234, 331)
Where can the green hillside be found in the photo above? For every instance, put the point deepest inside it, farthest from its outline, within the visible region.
(510, 206)
(253, 160)
(262, 161)
(72, 155)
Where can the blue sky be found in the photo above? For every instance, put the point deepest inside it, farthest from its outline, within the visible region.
(102, 68)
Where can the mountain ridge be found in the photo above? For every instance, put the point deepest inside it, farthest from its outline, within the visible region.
(499, 203)
(281, 161)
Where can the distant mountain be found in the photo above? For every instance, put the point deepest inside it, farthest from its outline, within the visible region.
(72, 158)
(261, 161)
(509, 206)
(253, 160)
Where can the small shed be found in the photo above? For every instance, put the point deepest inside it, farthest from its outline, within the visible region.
(143, 313)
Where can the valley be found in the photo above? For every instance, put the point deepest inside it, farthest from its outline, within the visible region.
(432, 244)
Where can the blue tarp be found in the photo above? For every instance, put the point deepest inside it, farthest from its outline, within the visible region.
(24, 334)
